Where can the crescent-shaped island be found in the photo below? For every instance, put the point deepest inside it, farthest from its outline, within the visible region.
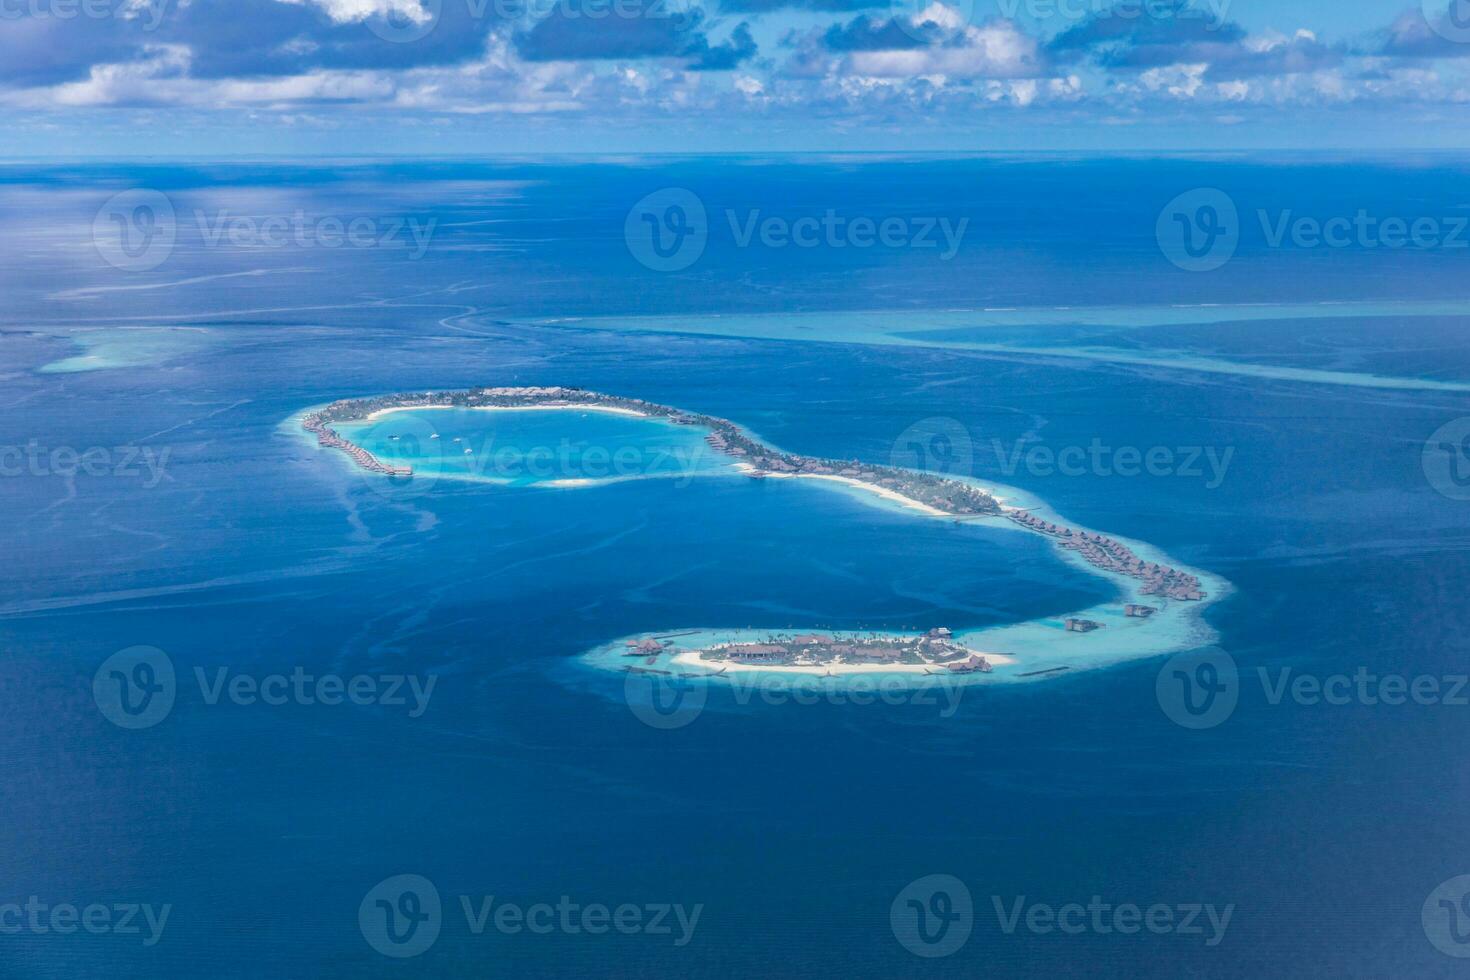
(1157, 611)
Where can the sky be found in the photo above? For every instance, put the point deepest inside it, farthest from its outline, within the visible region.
(223, 78)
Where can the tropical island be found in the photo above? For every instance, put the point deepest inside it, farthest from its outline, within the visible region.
(834, 651)
(937, 493)
(931, 493)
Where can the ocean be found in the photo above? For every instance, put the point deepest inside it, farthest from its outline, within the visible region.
(209, 533)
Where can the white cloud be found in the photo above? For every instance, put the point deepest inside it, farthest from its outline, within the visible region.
(356, 11)
(1235, 91)
(996, 50)
(1180, 81)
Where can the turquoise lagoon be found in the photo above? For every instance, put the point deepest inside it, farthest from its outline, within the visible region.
(531, 447)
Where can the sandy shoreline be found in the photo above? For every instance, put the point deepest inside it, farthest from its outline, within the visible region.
(611, 410)
(883, 492)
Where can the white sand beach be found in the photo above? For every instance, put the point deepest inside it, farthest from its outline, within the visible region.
(609, 409)
(883, 492)
(690, 658)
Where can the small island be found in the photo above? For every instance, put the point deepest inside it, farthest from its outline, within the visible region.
(934, 649)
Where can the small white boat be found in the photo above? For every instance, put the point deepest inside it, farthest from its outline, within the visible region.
(468, 451)
(434, 436)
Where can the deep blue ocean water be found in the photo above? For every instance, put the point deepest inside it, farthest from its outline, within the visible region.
(794, 825)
